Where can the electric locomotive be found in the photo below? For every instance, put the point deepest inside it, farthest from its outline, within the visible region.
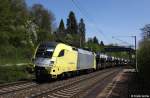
(54, 59)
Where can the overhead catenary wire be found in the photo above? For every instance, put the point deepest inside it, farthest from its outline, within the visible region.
(86, 14)
(122, 41)
(82, 10)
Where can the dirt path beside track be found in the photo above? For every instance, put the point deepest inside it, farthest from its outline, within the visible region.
(113, 87)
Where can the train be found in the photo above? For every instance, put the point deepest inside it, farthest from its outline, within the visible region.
(53, 60)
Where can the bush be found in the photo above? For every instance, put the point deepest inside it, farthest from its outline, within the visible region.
(12, 55)
(144, 59)
(13, 73)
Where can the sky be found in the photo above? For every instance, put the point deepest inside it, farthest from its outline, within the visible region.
(112, 21)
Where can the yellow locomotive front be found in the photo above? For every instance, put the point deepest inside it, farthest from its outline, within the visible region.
(44, 60)
(54, 59)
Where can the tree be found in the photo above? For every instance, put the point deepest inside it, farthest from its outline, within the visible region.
(31, 32)
(72, 26)
(60, 32)
(90, 40)
(61, 27)
(95, 40)
(102, 43)
(146, 31)
(20, 16)
(143, 58)
(5, 21)
(72, 30)
(14, 14)
(82, 32)
(44, 20)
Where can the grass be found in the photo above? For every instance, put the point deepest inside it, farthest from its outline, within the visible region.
(14, 73)
(12, 55)
(13, 61)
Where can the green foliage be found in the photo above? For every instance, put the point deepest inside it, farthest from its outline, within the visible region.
(146, 31)
(75, 40)
(13, 73)
(119, 54)
(102, 43)
(81, 30)
(72, 26)
(43, 19)
(94, 45)
(60, 34)
(61, 27)
(74, 34)
(11, 21)
(4, 38)
(95, 40)
(22, 29)
(143, 55)
(116, 54)
(12, 55)
(12, 30)
(144, 59)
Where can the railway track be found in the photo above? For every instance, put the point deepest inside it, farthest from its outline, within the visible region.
(73, 90)
(64, 88)
(11, 84)
(16, 86)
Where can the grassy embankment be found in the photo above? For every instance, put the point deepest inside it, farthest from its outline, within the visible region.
(14, 73)
(9, 58)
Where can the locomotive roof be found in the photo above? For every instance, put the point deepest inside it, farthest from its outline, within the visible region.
(48, 44)
(84, 51)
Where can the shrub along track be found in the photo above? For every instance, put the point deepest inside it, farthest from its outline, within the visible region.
(64, 88)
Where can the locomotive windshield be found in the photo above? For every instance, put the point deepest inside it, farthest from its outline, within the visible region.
(46, 50)
(45, 53)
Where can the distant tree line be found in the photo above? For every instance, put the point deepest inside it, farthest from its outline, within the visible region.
(22, 28)
(73, 33)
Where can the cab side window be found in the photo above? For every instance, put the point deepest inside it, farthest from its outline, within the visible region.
(61, 53)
